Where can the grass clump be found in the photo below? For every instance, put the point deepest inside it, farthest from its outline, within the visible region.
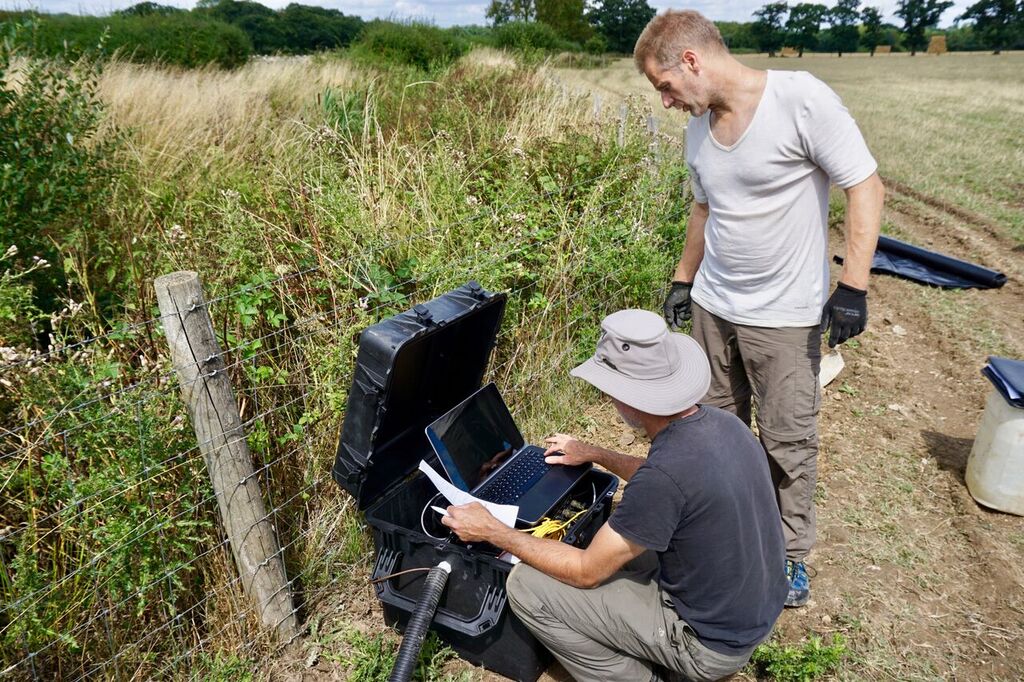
(809, 661)
(372, 658)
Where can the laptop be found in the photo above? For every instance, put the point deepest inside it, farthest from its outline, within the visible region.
(483, 453)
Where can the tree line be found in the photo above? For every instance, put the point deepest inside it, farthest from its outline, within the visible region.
(614, 25)
(227, 32)
(987, 24)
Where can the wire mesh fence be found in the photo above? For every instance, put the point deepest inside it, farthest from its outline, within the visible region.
(115, 562)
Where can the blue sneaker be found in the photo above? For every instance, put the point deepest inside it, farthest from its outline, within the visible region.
(799, 583)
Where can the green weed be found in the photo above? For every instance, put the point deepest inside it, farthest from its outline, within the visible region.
(810, 660)
(848, 390)
(223, 668)
(55, 168)
(372, 658)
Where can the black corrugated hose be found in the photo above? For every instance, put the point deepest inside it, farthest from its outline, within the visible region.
(419, 622)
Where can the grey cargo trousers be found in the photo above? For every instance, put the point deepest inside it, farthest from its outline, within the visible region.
(779, 368)
(620, 631)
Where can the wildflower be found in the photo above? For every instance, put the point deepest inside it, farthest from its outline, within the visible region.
(12, 251)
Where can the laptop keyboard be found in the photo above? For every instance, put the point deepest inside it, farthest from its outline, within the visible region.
(516, 478)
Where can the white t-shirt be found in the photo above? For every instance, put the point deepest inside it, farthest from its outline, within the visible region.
(766, 237)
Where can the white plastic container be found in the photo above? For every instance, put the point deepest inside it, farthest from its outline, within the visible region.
(995, 469)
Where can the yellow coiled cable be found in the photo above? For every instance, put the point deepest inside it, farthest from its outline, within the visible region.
(550, 528)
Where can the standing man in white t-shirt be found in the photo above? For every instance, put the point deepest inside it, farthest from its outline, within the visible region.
(762, 149)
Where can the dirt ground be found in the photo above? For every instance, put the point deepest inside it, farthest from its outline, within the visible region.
(923, 582)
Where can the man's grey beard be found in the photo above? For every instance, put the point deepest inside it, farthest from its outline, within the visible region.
(633, 424)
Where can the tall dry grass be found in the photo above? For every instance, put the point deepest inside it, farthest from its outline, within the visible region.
(180, 117)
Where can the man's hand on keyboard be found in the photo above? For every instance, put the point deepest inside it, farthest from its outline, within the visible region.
(564, 449)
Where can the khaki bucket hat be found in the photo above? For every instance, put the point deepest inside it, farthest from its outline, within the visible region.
(641, 363)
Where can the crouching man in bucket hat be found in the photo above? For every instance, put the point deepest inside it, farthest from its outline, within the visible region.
(686, 577)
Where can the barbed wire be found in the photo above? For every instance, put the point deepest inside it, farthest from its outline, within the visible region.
(95, 559)
(234, 580)
(223, 543)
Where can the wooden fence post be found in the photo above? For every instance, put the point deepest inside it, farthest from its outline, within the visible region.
(652, 128)
(206, 390)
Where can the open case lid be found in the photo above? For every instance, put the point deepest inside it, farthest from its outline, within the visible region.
(412, 368)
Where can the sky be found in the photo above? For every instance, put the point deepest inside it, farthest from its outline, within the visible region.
(450, 12)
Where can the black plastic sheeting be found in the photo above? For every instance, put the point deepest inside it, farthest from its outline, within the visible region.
(893, 257)
(1008, 377)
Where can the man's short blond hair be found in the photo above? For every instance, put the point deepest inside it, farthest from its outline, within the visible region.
(669, 34)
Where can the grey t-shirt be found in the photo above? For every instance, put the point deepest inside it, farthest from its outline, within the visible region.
(704, 501)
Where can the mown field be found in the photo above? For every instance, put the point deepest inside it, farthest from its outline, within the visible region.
(315, 195)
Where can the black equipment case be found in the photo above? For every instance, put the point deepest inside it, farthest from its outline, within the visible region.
(411, 369)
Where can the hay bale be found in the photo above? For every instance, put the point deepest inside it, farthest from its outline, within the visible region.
(937, 45)
(789, 52)
(883, 49)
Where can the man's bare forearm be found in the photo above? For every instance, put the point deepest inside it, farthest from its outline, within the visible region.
(560, 561)
(622, 465)
(693, 252)
(863, 223)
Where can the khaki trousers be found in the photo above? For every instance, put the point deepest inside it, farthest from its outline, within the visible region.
(778, 369)
(620, 631)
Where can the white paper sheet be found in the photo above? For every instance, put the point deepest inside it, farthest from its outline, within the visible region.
(506, 513)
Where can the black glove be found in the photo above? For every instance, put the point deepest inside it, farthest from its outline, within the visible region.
(677, 304)
(846, 313)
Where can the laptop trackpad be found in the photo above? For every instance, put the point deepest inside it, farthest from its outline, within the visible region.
(548, 492)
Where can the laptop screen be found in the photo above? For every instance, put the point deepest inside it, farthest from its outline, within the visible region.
(475, 437)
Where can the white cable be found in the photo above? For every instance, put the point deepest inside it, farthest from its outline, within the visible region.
(423, 522)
